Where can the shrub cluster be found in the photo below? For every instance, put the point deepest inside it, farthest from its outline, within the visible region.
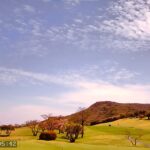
(50, 135)
(7, 127)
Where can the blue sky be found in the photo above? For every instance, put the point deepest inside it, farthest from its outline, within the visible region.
(58, 55)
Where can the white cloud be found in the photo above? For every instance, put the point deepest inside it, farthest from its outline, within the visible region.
(132, 19)
(90, 92)
(110, 72)
(125, 27)
(70, 3)
(11, 76)
(122, 30)
(29, 8)
(121, 75)
(78, 20)
(68, 78)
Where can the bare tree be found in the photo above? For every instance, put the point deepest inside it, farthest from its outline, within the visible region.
(49, 121)
(73, 131)
(46, 116)
(133, 139)
(81, 119)
(34, 126)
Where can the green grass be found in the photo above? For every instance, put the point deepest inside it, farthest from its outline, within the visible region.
(99, 137)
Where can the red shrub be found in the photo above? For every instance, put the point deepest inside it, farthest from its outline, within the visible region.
(51, 135)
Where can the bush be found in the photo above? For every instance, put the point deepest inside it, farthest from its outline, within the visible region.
(72, 140)
(51, 135)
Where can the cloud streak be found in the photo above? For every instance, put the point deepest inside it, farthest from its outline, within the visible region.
(84, 87)
(11, 76)
(92, 91)
(68, 78)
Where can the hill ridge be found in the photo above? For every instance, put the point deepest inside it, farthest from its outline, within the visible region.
(104, 111)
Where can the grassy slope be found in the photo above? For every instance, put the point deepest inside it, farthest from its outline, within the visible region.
(99, 137)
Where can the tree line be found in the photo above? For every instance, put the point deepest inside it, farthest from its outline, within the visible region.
(72, 128)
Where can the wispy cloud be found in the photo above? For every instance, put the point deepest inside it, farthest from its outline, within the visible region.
(78, 20)
(68, 78)
(29, 8)
(124, 27)
(71, 3)
(132, 19)
(128, 25)
(11, 76)
(91, 91)
(121, 75)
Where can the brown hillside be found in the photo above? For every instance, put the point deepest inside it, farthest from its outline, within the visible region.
(109, 111)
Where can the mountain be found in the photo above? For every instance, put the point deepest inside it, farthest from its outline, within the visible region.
(106, 111)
